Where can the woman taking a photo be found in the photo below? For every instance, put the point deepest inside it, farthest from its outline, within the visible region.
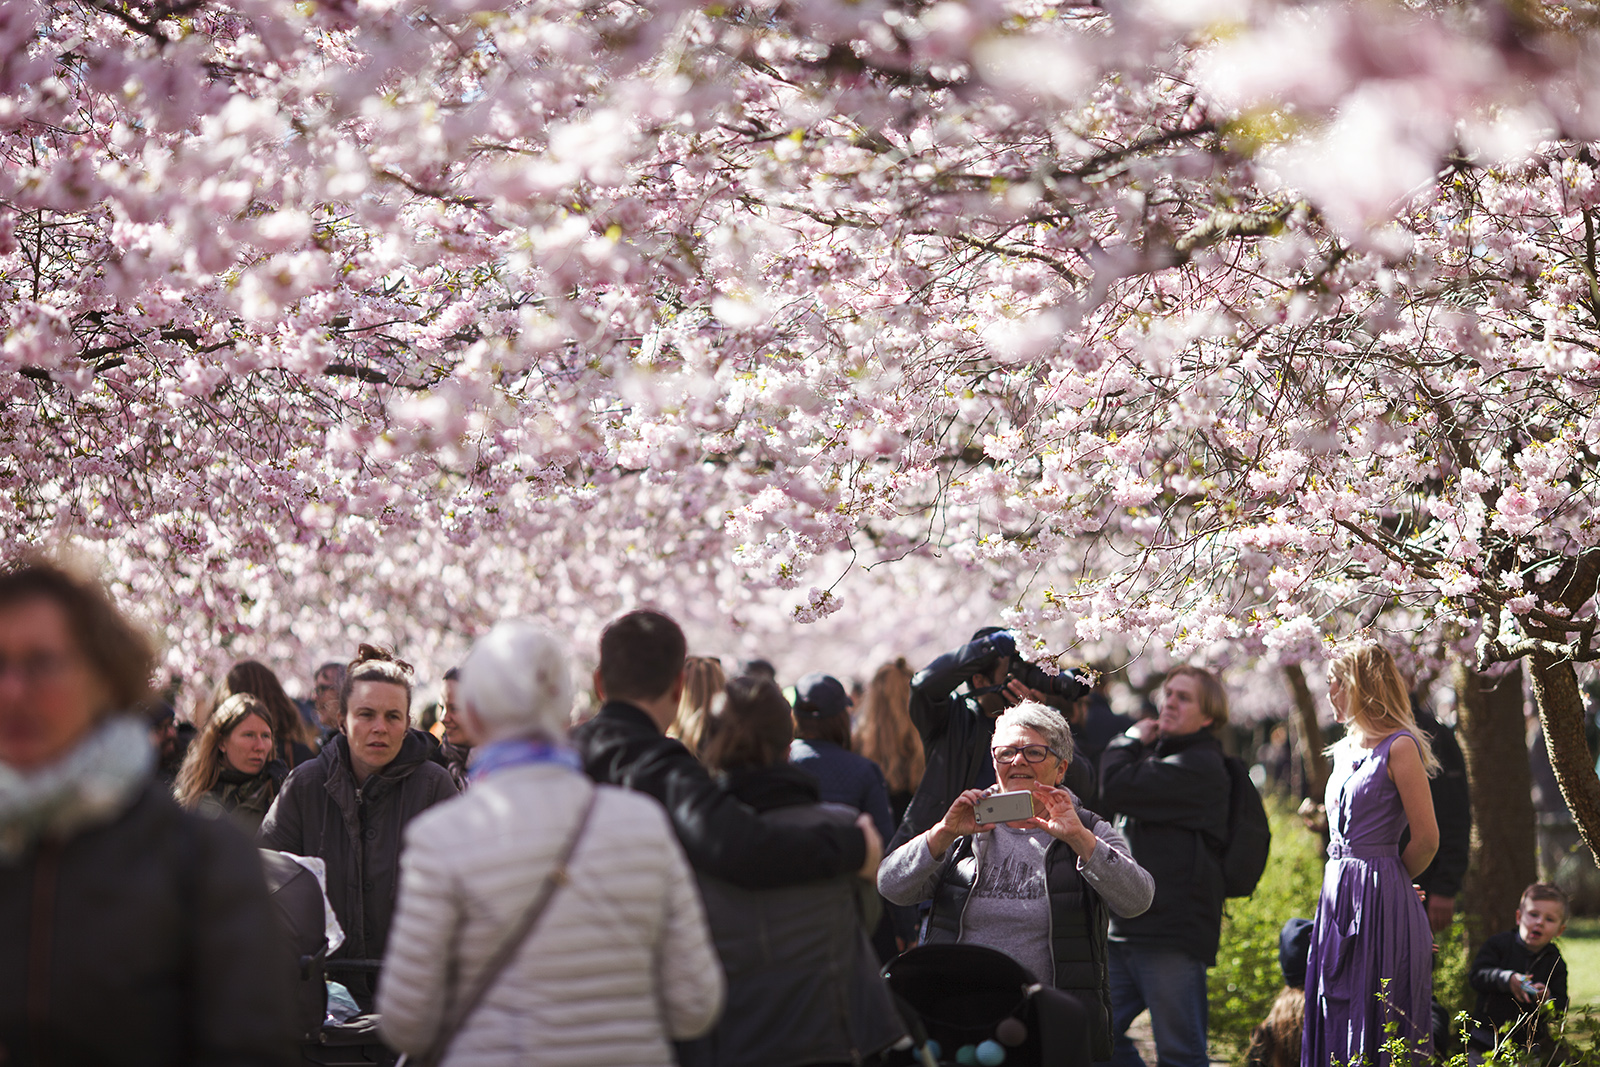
(131, 932)
(230, 769)
(1037, 889)
(350, 805)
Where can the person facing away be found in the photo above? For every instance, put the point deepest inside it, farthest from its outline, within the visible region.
(1166, 782)
(821, 748)
(703, 682)
(640, 680)
(350, 804)
(1037, 889)
(956, 728)
(292, 737)
(803, 982)
(1518, 972)
(230, 770)
(885, 734)
(620, 961)
(1276, 1040)
(1370, 968)
(132, 932)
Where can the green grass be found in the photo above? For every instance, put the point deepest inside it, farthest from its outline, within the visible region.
(1580, 947)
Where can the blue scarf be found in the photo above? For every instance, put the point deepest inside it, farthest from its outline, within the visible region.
(520, 752)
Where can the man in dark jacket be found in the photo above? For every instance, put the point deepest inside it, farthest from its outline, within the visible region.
(1166, 781)
(1452, 806)
(640, 679)
(956, 727)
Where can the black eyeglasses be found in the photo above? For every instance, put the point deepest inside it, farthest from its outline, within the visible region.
(1030, 753)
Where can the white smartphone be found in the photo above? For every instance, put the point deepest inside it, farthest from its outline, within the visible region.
(1005, 807)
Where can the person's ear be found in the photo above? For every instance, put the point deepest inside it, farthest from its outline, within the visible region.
(599, 686)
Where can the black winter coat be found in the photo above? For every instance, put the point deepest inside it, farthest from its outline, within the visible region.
(1502, 956)
(803, 981)
(1171, 800)
(145, 941)
(721, 835)
(956, 734)
(358, 832)
(1077, 925)
(1452, 807)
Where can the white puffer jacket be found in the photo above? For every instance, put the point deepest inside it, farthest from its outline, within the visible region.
(620, 962)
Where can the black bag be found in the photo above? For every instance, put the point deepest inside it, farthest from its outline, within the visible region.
(1244, 857)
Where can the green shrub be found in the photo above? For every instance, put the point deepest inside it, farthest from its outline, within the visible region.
(1246, 979)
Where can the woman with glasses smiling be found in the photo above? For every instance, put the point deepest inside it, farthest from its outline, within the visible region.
(1038, 889)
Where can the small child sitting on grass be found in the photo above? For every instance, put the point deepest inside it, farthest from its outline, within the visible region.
(1517, 972)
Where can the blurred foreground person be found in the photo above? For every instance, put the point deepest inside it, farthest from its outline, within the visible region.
(131, 932)
(230, 769)
(349, 805)
(543, 918)
(803, 982)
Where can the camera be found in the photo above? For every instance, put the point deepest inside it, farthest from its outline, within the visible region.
(1065, 685)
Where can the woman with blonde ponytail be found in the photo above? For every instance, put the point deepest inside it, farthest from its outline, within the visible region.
(1371, 962)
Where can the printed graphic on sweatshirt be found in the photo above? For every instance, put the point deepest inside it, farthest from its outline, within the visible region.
(1011, 880)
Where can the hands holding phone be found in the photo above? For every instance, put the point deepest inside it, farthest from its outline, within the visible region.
(1055, 814)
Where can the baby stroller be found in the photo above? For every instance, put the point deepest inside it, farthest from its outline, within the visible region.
(970, 1004)
(302, 909)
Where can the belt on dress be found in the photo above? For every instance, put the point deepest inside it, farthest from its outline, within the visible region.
(1340, 850)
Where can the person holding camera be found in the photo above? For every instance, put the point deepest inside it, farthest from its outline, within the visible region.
(1038, 886)
(957, 727)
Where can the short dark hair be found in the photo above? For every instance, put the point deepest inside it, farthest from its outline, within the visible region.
(119, 652)
(834, 729)
(750, 725)
(642, 655)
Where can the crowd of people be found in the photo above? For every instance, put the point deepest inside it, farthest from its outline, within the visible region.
(711, 870)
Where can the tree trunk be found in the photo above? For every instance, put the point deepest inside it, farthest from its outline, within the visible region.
(1505, 838)
(1555, 691)
(1307, 732)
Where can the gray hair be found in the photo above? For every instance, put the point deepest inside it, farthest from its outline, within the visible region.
(516, 681)
(1045, 721)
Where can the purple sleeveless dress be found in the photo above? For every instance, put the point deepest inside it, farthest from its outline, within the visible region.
(1369, 926)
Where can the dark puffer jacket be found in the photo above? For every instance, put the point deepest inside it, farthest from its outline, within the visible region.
(1172, 803)
(148, 940)
(1078, 920)
(803, 982)
(357, 831)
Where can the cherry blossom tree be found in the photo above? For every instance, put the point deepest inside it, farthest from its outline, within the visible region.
(1222, 328)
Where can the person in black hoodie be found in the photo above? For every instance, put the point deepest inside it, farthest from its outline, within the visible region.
(350, 805)
(1516, 973)
(640, 679)
(803, 982)
(1166, 781)
(131, 932)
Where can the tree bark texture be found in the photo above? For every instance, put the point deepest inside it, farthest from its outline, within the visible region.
(1505, 837)
(1308, 733)
(1560, 703)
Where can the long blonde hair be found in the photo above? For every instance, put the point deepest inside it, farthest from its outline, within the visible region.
(704, 680)
(884, 731)
(202, 765)
(1378, 702)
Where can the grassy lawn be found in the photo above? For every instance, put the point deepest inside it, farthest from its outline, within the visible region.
(1580, 947)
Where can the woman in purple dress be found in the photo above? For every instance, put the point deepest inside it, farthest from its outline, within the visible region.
(1371, 950)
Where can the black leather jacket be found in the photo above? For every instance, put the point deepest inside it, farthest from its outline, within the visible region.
(721, 835)
(1171, 800)
(1078, 922)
